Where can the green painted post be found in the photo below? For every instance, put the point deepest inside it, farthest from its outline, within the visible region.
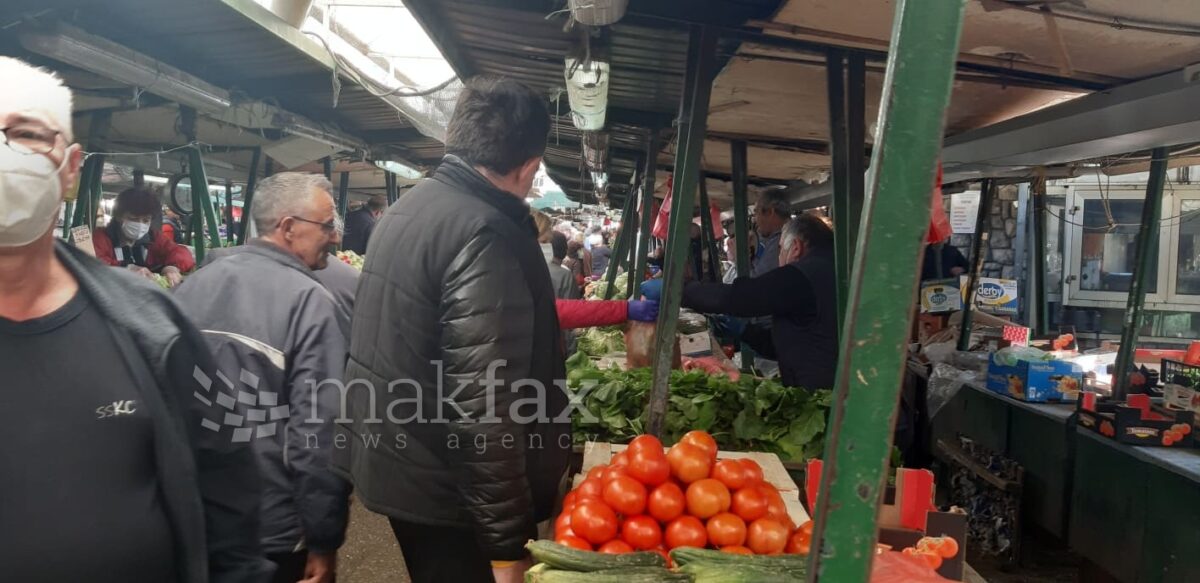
(839, 202)
(741, 226)
(1146, 249)
(82, 192)
(67, 217)
(248, 195)
(201, 203)
(343, 201)
(706, 232)
(327, 164)
(97, 191)
(229, 234)
(619, 250)
(986, 196)
(647, 216)
(629, 258)
(1042, 324)
(883, 285)
(693, 121)
(856, 146)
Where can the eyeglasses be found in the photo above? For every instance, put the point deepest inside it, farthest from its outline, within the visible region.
(336, 225)
(30, 138)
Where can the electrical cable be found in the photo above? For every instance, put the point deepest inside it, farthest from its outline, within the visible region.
(1111, 20)
(366, 83)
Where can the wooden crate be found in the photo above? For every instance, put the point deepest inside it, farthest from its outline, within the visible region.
(597, 453)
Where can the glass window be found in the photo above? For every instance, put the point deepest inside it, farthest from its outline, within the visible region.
(1188, 276)
(1109, 249)
(1054, 259)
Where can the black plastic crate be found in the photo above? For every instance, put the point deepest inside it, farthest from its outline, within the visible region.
(1187, 375)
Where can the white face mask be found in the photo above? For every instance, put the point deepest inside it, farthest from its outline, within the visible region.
(134, 231)
(30, 193)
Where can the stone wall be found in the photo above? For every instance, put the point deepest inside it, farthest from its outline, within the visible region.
(999, 250)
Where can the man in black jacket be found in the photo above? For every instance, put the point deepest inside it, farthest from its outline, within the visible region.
(361, 223)
(800, 298)
(112, 466)
(459, 429)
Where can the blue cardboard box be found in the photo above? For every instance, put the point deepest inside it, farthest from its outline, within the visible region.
(1036, 382)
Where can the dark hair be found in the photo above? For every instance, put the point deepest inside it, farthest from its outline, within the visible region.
(573, 248)
(138, 201)
(377, 202)
(499, 124)
(558, 244)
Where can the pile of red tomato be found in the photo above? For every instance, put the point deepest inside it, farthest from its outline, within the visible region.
(647, 500)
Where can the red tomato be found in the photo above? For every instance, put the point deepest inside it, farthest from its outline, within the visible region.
(801, 540)
(737, 550)
(597, 472)
(754, 471)
(590, 488)
(686, 531)
(666, 502)
(688, 462)
(625, 495)
(776, 508)
(594, 521)
(731, 473)
(702, 440)
(707, 498)
(644, 443)
(726, 529)
(570, 499)
(620, 460)
(642, 532)
(613, 471)
(615, 546)
(649, 467)
(562, 525)
(750, 503)
(767, 537)
(574, 542)
(931, 560)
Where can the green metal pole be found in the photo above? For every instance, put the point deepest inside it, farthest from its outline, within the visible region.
(97, 191)
(327, 163)
(248, 195)
(83, 191)
(986, 197)
(883, 285)
(229, 234)
(741, 227)
(619, 249)
(1146, 250)
(1040, 217)
(67, 217)
(647, 216)
(631, 222)
(839, 203)
(343, 194)
(706, 236)
(856, 147)
(201, 203)
(693, 121)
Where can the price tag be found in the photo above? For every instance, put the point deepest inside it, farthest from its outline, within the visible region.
(81, 236)
(964, 210)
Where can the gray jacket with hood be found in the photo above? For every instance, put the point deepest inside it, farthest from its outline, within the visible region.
(277, 334)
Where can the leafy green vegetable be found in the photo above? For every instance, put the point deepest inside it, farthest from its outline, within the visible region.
(747, 415)
(601, 341)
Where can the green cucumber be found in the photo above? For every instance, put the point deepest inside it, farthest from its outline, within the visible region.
(686, 555)
(561, 557)
(628, 575)
(738, 573)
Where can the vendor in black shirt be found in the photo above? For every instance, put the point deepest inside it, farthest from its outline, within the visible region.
(800, 297)
(111, 470)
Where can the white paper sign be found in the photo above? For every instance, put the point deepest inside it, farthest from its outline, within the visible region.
(964, 211)
(82, 237)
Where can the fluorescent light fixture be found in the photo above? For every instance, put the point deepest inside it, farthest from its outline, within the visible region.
(587, 90)
(401, 170)
(155, 179)
(300, 128)
(101, 56)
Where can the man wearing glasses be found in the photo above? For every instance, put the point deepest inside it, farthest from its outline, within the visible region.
(105, 472)
(278, 334)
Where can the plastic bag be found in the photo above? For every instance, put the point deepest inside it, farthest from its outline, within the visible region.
(662, 220)
(944, 383)
(1011, 355)
(939, 223)
(894, 567)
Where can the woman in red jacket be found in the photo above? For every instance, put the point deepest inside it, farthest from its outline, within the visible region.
(134, 240)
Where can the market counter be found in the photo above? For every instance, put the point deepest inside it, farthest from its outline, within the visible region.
(1035, 435)
(1130, 510)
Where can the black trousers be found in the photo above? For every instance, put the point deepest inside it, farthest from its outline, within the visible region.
(436, 554)
(289, 567)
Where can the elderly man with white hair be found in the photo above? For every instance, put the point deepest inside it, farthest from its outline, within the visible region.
(106, 471)
(279, 335)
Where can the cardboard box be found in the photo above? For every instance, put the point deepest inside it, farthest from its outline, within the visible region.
(1137, 421)
(1036, 382)
(994, 296)
(698, 344)
(940, 296)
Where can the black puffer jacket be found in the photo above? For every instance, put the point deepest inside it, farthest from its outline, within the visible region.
(455, 290)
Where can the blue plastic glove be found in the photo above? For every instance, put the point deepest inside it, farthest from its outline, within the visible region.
(643, 310)
(652, 289)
